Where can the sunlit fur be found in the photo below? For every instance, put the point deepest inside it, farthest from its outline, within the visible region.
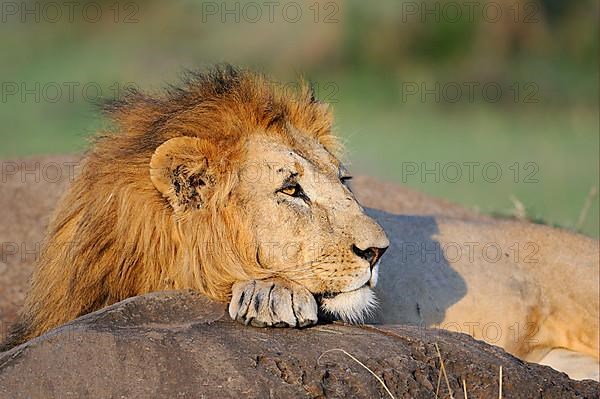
(114, 236)
(351, 307)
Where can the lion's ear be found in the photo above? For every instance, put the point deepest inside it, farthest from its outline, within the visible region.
(180, 170)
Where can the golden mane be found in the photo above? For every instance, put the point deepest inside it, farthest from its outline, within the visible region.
(114, 235)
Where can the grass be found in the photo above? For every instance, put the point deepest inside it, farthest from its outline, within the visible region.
(548, 159)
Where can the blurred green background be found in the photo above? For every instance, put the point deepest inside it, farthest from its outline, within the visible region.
(448, 87)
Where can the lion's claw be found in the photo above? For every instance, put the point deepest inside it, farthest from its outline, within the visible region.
(271, 303)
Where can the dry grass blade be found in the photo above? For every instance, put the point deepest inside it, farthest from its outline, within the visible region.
(500, 385)
(586, 207)
(437, 388)
(359, 362)
(444, 371)
(519, 212)
(465, 388)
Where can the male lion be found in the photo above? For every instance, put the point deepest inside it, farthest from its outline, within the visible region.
(229, 186)
(232, 187)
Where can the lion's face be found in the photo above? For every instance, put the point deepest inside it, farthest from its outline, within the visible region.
(277, 208)
(307, 224)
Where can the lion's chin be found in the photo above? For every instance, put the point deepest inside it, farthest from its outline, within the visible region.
(352, 307)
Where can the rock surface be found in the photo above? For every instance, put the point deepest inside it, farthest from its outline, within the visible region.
(181, 345)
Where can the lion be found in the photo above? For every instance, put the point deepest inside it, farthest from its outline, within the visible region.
(233, 186)
(531, 289)
(229, 185)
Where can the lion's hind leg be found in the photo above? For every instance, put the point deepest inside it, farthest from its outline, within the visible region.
(577, 365)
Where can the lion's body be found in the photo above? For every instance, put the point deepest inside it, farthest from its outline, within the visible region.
(530, 289)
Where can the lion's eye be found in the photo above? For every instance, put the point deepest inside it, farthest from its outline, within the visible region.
(292, 191)
(345, 179)
(291, 188)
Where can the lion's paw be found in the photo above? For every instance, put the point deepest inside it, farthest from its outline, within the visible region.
(271, 303)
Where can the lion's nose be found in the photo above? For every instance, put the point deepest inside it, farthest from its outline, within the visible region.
(371, 255)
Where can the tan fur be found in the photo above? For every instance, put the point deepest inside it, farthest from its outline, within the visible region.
(532, 292)
(161, 203)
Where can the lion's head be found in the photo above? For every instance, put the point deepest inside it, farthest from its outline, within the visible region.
(277, 199)
(229, 178)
